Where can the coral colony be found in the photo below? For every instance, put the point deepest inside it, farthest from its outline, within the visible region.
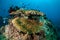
(27, 25)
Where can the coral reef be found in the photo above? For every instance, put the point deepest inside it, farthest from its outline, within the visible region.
(29, 25)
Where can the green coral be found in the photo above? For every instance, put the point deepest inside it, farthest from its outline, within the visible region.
(2, 37)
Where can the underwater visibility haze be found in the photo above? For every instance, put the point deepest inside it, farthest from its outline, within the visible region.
(50, 16)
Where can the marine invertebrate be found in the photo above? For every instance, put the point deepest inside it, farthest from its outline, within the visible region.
(33, 22)
(29, 25)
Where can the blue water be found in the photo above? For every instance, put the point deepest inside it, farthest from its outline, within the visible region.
(49, 7)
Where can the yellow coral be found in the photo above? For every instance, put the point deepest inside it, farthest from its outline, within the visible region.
(27, 24)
